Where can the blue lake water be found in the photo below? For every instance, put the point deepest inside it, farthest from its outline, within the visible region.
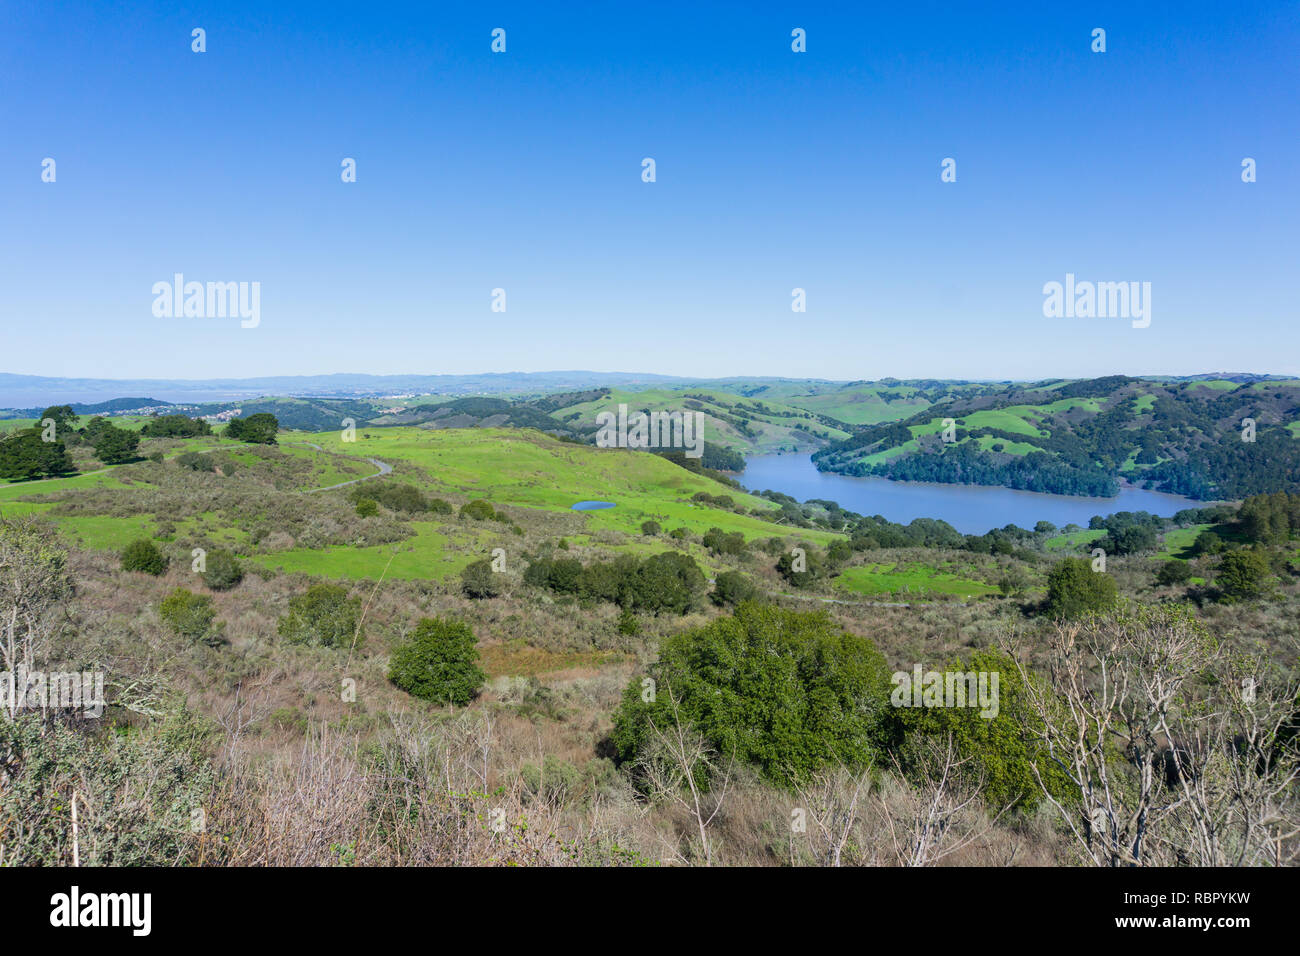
(592, 505)
(971, 509)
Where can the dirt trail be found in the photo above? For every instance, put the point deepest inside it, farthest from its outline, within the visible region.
(384, 469)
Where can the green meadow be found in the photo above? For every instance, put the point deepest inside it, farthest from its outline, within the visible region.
(908, 579)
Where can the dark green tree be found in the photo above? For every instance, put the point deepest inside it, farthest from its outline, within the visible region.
(257, 429)
(143, 555)
(24, 455)
(478, 580)
(114, 445)
(787, 691)
(731, 588)
(1075, 589)
(439, 663)
(1243, 574)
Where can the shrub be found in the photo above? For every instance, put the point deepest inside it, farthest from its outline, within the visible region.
(440, 507)
(141, 784)
(661, 582)
(1130, 539)
(788, 691)
(789, 564)
(1242, 574)
(323, 615)
(194, 461)
(478, 510)
(627, 623)
(731, 588)
(720, 542)
(1207, 542)
(143, 555)
(666, 582)
(192, 616)
(559, 575)
(839, 551)
(651, 528)
(1075, 589)
(478, 580)
(393, 495)
(367, 507)
(222, 572)
(288, 718)
(438, 663)
(998, 745)
(680, 534)
(1173, 572)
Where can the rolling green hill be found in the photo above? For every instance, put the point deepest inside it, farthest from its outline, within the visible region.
(1084, 437)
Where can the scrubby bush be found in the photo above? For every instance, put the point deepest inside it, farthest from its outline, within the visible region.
(839, 551)
(287, 718)
(787, 691)
(439, 663)
(324, 615)
(367, 507)
(393, 495)
(440, 507)
(478, 510)
(478, 580)
(720, 542)
(138, 788)
(801, 567)
(1173, 573)
(192, 616)
(143, 555)
(1075, 589)
(994, 736)
(222, 572)
(1242, 574)
(731, 588)
(194, 461)
(1207, 542)
(662, 582)
(651, 528)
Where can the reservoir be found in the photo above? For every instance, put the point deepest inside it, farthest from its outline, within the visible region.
(971, 509)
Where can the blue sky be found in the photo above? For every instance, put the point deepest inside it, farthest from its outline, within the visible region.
(775, 170)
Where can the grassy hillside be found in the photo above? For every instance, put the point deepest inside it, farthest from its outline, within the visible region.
(1084, 437)
(268, 733)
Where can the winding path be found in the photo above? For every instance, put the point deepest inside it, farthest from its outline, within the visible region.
(384, 469)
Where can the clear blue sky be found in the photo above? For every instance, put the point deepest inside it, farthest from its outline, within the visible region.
(523, 171)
